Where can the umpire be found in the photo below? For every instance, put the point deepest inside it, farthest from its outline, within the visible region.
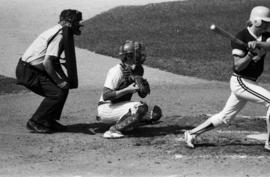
(40, 70)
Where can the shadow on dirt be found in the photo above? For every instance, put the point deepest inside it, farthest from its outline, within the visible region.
(144, 131)
(91, 128)
(228, 144)
(169, 125)
(161, 130)
(175, 124)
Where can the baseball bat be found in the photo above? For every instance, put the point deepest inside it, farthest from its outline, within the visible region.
(226, 34)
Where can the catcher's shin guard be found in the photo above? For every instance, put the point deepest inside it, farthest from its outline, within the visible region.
(153, 115)
(129, 120)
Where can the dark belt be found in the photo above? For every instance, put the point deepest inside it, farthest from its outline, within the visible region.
(102, 102)
(31, 66)
(245, 77)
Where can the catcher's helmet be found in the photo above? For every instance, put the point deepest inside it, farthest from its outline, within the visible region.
(135, 48)
(259, 14)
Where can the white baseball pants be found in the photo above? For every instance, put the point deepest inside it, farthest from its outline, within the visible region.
(242, 91)
(111, 113)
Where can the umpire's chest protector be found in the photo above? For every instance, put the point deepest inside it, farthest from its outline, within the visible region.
(69, 50)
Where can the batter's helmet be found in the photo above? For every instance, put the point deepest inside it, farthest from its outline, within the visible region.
(259, 14)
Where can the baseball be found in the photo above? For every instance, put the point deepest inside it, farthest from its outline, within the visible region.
(213, 27)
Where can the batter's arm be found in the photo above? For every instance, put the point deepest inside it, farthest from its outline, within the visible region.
(259, 44)
(241, 63)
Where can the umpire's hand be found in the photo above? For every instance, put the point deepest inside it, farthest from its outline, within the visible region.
(63, 85)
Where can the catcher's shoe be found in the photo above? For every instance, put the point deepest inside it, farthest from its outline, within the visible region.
(189, 139)
(113, 134)
(36, 127)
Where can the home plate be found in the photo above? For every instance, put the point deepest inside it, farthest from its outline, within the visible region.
(258, 136)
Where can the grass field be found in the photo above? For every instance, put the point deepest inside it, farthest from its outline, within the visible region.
(176, 34)
(8, 85)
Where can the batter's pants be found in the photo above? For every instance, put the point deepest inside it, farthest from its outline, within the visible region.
(242, 91)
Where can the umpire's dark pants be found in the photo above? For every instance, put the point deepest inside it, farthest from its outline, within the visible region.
(54, 97)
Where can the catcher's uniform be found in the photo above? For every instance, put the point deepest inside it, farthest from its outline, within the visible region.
(243, 83)
(110, 111)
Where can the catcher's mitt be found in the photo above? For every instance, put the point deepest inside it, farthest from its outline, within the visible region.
(144, 87)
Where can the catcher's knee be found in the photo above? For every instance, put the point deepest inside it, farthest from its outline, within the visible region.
(125, 121)
(131, 120)
(142, 109)
(153, 115)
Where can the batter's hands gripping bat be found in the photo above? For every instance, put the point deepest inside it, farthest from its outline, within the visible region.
(226, 34)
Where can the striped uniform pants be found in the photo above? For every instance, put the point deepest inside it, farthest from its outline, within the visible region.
(242, 91)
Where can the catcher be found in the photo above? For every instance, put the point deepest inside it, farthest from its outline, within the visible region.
(122, 81)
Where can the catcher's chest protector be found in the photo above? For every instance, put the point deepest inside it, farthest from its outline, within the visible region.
(71, 65)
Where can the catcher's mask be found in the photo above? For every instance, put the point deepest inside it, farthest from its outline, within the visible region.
(132, 49)
(73, 18)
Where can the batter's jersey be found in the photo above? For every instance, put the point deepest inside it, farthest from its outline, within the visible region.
(39, 47)
(254, 69)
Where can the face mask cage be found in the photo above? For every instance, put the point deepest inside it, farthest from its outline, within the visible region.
(134, 50)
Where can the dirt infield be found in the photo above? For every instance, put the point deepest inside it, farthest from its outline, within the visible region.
(156, 150)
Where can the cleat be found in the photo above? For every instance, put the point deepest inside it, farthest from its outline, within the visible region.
(267, 146)
(189, 139)
(113, 134)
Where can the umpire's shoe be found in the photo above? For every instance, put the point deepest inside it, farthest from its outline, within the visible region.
(36, 127)
(57, 127)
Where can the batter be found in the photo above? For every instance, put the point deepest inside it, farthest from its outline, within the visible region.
(248, 66)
